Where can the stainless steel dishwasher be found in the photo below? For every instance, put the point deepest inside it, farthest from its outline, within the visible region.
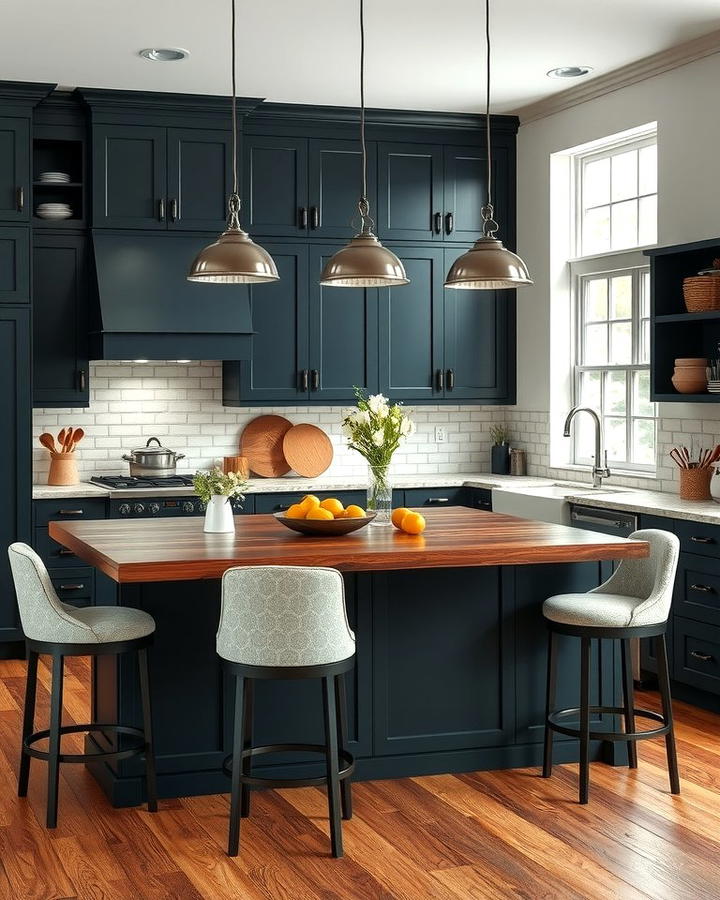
(609, 521)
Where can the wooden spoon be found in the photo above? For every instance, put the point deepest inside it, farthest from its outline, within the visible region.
(68, 440)
(48, 441)
(77, 436)
(61, 440)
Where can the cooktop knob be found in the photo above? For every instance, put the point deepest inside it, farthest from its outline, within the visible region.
(138, 509)
(154, 508)
(124, 509)
(188, 506)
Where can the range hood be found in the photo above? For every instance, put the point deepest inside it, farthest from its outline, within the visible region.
(148, 310)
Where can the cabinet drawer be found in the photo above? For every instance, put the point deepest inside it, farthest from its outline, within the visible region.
(698, 589)
(697, 654)
(65, 510)
(480, 498)
(271, 503)
(52, 553)
(454, 496)
(696, 537)
(74, 586)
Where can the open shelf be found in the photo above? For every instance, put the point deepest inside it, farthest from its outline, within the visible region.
(679, 318)
(64, 153)
(61, 185)
(675, 397)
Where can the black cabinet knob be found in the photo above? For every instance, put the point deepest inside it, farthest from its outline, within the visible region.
(304, 380)
(314, 217)
(315, 380)
(161, 209)
(440, 379)
(437, 222)
(450, 379)
(20, 198)
(303, 217)
(449, 223)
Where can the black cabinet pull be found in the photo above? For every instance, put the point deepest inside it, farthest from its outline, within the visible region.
(703, 657)
(450, 379)
(161, 209)
(20, 198)
(281, 507)
(174, 210)
(704, 588)
(440, 379)
(303, 217)
(71, 512)
(304, 380)
(702, 540)
(314, 217)
(432, 501)
(449, 223)
(71, 587)
(437, 218)
(63, 551)
(315, 379)
(82, 380)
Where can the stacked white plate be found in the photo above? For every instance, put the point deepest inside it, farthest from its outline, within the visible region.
(714, 387)
(54, 211)
(54, 178)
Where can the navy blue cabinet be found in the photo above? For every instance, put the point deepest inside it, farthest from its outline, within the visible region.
(60, 320)
(335, 179)
(15, 456)
(410, 191)
(14, 264)
(14, 168)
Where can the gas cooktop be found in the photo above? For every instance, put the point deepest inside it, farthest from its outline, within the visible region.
(126, 482)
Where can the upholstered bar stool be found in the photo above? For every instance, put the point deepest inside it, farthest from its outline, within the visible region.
(60, 630)
(633, 603)
(285, 622)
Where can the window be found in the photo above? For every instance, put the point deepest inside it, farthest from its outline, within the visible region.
(616, 204)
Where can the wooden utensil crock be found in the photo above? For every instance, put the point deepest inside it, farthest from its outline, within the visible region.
(695, 483)
(63, 469)
(237, 464)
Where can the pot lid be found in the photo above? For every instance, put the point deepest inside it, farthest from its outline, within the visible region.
(147, 450)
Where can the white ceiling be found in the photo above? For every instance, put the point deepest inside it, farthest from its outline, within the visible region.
(421, 54)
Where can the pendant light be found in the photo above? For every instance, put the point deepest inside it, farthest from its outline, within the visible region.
(364, 262)
(488, 265)
(233, 258)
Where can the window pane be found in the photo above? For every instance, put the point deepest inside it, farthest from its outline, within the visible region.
(621, 343)
(615, 393)
(596, 299)
(648, 170)
(624, 224)
(621, 297)
(596, 230)
(615, 438)
(596, 183)
(643, 438)
(641, 395)
(585, 437)
(647, 228)
(595, 345)
(624, 175)
(644, 348)
(590, 390)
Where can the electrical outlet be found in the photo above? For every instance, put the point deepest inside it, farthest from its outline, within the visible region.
(440, 434)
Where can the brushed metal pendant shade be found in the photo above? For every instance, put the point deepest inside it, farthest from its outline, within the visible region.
(234, 258)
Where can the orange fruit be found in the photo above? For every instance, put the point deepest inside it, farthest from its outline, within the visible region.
(318, 512)
(354, 512)
(295, 512)
(308, 502)
(398, 515)
(333, 505)
(413, 523)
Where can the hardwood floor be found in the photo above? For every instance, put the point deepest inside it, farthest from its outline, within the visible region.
(483, 835)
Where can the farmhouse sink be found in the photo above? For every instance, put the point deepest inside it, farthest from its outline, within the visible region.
(544, 503)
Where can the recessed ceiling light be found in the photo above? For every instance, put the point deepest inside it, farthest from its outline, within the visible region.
(569, 72)
(164, 54)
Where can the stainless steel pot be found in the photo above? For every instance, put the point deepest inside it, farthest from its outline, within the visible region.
(158, 462)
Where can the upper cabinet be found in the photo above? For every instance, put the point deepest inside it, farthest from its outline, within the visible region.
(14, 169)
(14, 264)
(303, 186)
(160, 178)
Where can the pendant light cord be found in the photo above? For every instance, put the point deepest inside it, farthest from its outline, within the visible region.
(364, 204)
(234, 201)
(490, 226)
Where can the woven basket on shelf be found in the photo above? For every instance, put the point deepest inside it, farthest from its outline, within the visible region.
(702, 292)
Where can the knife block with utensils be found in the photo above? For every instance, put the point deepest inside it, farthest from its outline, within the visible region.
(63, 469)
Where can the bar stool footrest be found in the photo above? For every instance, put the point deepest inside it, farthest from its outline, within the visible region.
(89, 728)
(347, 758)
(574, 712)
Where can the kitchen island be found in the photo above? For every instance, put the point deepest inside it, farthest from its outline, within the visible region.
(450, 642)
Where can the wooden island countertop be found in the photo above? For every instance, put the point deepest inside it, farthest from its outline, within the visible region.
(178, 550)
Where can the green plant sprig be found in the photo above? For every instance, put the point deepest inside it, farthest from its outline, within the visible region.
(217, 483)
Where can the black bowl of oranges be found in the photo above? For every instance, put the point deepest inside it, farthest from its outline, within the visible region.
(324, 518)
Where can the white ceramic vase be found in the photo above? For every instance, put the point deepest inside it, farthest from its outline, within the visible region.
(219, 516)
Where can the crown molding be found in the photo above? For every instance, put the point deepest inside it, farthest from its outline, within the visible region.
(672, 58)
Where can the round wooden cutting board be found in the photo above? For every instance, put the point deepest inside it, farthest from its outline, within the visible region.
(308, 450)
(262, 443)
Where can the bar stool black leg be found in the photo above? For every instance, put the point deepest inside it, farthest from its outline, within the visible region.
(331, 756)
(341, 703)
(235, 792)
(150, 777)
(549, 703)
(628, 700)
(585, 720)
(248, 702)
(28, 721)
(54, 744)
(664, 685)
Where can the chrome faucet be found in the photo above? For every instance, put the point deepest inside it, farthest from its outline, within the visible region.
(598, 472)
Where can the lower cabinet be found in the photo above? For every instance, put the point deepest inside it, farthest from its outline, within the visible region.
(272, 503)
(439, 497)
(696, 654)
(14, 264)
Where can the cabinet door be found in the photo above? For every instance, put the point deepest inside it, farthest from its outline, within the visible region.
(280, 343)
(410, 192)
(465, 171)
(14, 265)
(199, 178)
(410, 328)
(335, 178)
(60, 326)
(14, 169)
(479, 341)
(343, 336)
(129, 176)
(275, 179)
(15, 456)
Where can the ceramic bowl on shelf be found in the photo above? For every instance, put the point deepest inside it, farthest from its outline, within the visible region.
(689, 376)
(53, 211)
(54, 178)
(324, 527)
